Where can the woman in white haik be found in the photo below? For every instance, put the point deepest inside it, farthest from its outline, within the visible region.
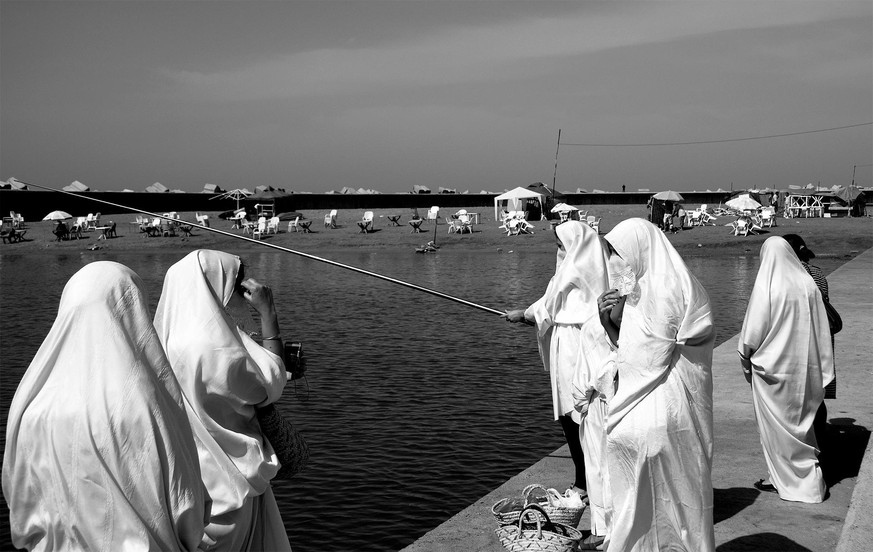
(786, 353)
(575, 351)
(224, 374)
(99, 454)
(659, 426)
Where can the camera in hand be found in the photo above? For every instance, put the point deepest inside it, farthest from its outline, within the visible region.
(295, 363)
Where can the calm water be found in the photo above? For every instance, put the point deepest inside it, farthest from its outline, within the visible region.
(418, 406)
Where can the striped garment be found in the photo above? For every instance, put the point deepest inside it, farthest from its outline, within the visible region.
(822, 283)
(819, 278)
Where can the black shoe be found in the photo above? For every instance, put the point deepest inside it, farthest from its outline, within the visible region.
(591, 542)
(765, 487)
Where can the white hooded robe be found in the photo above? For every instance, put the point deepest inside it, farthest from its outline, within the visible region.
(575, 350)
(659, 426)
(223, 374)
(786, 336)
(99, 453)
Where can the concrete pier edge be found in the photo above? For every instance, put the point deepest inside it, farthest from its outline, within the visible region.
(745, 519)
(857, 534)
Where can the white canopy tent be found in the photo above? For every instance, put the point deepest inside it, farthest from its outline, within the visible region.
(514, 200)
(76, 186)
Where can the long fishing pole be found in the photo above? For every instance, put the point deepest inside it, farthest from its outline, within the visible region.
(285, 249)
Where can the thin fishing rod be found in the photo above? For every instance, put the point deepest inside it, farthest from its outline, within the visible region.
(285, 249)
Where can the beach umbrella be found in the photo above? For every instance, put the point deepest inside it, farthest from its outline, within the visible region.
(563, 208)
(742, 203)
(58, 215)
(236, 194)
(669, 195)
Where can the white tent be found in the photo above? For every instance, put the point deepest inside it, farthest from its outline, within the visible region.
(157, 188)
(514, 200)
(76, 186)
(15, 184)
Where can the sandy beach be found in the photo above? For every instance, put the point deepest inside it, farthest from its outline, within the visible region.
(828, 237)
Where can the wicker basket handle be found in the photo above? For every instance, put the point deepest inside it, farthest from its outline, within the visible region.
(542, 522)
(526, 493)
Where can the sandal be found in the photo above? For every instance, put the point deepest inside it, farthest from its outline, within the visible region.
(765, 487)
(591, 542)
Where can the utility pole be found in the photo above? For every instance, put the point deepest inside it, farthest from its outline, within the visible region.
(555, 176)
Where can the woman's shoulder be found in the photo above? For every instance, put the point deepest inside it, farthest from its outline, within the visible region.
(814, 271)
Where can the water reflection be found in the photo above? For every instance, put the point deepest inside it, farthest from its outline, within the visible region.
(418, 405)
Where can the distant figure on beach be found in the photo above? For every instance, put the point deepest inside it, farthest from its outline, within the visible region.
(786, 354)
(679, 216)
(224, 374)
(99, 453)
(575, 351)
(61, 231)
(659, 428)
(668, 222)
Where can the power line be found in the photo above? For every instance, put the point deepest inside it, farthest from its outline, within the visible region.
(719, 141)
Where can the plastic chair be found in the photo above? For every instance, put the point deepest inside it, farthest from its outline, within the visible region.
(593, 222)
(744, 225)
(168, 229)
(17, 220)
(330, 219)
(260, 229)
(366, 223)
(506, 219)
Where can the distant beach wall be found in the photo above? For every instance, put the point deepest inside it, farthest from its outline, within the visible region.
(34, 204)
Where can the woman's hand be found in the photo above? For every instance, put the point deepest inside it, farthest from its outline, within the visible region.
(259, 296)
(606, 301)
(746, 363)
(514, 316)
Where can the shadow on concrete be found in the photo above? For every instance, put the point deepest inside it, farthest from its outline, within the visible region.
(729, 502)
(843, 450)
(762, 542)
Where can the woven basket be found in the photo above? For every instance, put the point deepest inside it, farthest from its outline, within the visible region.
(550, 501)
(508, 510)
(288, 443)
(535, 532)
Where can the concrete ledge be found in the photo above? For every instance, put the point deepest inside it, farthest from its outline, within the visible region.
(857, 534)
(746, 519)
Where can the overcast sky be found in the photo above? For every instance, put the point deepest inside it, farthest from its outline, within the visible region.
(314, 96)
